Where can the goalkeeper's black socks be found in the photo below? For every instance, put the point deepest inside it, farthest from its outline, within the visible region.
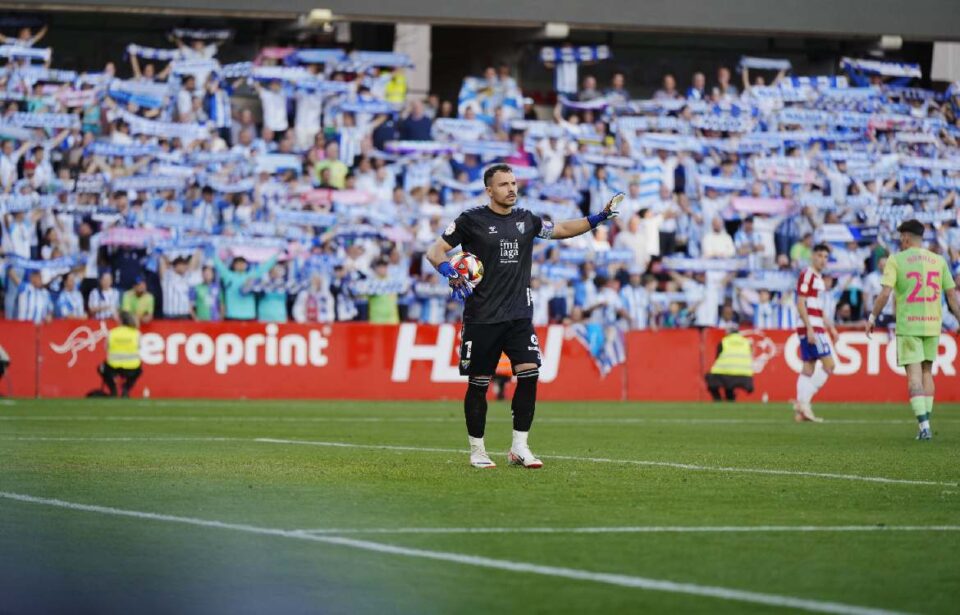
(525, 399)
(475, 405)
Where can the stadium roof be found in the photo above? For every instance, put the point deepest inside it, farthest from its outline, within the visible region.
(912, 19)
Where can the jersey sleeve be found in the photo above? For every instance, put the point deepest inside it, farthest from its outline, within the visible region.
(805, 284)
(541, 228)
(947, 276)
(889, 273)
(457, 231)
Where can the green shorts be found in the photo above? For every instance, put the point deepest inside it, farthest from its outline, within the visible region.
(916, 349)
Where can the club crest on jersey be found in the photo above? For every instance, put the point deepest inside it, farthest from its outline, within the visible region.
(493, 230)
(465, 363)
(521, 226)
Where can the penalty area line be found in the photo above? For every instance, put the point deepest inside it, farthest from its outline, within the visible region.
(621, 580)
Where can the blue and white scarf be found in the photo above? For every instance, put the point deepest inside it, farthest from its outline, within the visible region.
(147, 182)
(487, 149)
(175, 221)
(151, 53)
(678, 263)
(237, 70)
(317, 56)
(186, 132)
(292, 74)
(381, 58)
(764, 63)
(375, 107)
(232, 186)
(419, 147)
(458, 129)
(18, 133)
(31, 53)
(202, 35)
(373, 286)
(877, 67)
(103, 148)
(596, 104)
(45, 120)
(305, 218)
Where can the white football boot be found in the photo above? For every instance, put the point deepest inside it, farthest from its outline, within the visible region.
(803, 413)
(524, 457)
(478, 455)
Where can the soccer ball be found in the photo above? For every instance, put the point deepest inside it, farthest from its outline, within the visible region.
(469, 266)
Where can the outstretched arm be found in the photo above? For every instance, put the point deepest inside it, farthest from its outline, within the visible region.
(578, 226)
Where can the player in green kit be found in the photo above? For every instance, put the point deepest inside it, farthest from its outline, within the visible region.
(919, 278)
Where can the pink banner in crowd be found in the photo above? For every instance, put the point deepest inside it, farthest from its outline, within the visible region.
(766, 207)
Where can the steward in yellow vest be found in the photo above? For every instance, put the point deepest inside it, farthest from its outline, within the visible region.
(733, 368)
(123, 356)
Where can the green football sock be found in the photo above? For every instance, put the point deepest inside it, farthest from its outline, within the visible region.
(919, 406)
(929, 399)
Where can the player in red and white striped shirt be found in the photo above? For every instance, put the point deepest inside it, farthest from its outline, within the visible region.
(814, 345)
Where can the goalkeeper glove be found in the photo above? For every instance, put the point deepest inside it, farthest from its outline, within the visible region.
(461, 287)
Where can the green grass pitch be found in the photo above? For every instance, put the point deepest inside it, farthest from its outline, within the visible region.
(128, 506)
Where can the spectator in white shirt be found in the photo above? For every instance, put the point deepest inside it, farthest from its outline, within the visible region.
(104, 301)
(69, 303)
(185, 98)
(9, 158)
(33, 300)
(315, 303)
(176, 278)
(273, 100)
(634, 238)
(718, 243)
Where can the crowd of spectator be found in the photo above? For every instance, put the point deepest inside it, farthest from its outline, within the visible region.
(306, 185)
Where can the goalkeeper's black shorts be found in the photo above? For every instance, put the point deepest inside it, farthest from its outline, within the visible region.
(483, 343)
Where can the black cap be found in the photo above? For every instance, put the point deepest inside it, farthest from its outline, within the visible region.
(914, 227)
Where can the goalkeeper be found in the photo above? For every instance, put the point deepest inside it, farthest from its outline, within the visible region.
(497, 316)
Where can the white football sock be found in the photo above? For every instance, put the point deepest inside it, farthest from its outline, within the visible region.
(805, 389)
(519, 440)
(476, 444)
(819, 378)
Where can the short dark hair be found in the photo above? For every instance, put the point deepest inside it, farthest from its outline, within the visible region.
(821, 247)
(493, 170)
(914, 227)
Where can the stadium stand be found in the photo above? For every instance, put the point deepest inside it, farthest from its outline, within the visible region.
(306, 184)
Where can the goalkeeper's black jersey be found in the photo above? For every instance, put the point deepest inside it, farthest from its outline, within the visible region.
(504, 244)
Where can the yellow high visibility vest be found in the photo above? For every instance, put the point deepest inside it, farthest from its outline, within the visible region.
(736, 357)
(123, 348)
(396, 89)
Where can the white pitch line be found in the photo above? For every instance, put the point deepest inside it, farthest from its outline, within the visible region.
(119, 439)
(663, 464)
(621, 580)
(643, 529)
(451, 419)
(420, 449)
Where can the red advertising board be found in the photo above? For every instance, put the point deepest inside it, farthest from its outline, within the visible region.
(410, 361)
(19, 339)
(664, 365)
(866, 369)
(345, 361)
